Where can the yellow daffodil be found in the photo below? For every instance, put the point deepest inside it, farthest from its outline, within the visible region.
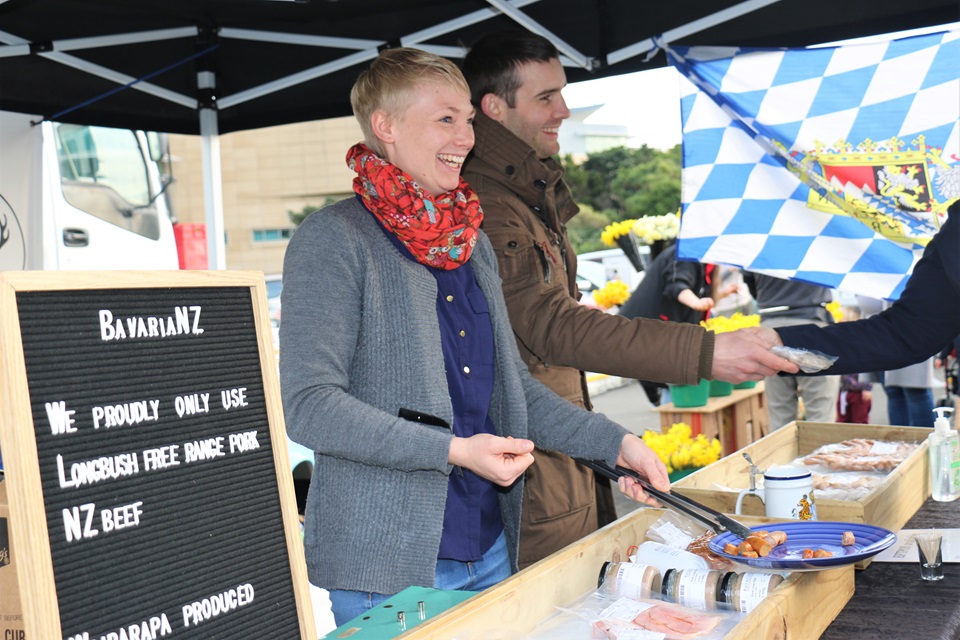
(614, 293)
(723, 324)
(835, 310)
(615, 230)
(678, 450)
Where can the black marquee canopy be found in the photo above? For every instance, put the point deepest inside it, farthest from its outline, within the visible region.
(269, 62)
(216, 66)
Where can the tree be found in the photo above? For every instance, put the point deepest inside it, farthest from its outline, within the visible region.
(298, 217)
(591, 179)
(652, 188)
(585, 228)
(619, 184)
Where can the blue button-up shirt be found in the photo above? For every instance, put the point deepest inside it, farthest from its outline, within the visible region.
(471, 522)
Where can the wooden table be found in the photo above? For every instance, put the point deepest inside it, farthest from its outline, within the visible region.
(891, 602)
(737, 419)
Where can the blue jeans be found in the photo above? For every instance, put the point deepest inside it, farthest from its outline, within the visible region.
(451, 575)
(909, 406)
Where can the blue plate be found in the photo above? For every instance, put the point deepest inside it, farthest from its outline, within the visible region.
(813, 535)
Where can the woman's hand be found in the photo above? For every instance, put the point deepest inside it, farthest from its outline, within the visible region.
(499, 460)
(636, 455)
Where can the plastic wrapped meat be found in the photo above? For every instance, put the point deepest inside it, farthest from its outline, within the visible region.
(701, 547)
(862, 454)
(674, 621)
(808, 361)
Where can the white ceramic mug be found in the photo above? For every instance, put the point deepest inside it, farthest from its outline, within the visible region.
(787, 493)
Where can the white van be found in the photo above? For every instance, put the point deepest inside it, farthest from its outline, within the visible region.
(614, 263)
(81, 197)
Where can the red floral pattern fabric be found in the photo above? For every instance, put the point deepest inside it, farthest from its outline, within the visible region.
(440, 231)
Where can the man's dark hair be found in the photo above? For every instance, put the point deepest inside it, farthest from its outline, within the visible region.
(492, 63)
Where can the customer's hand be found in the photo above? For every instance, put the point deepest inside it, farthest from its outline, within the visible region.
(742, 355)
(636, 455)
(499, 460)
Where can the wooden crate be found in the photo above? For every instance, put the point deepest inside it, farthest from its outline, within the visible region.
(737, 419)
(889, 505)
(803, 606)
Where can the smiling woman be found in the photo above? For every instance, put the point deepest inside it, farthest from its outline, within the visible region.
(409, 387)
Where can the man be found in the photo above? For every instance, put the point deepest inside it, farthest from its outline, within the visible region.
(515, 82)
(784, 303)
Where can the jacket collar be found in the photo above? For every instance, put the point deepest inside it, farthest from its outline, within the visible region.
(500, 155)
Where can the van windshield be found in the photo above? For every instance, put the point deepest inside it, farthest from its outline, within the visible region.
(104, 172)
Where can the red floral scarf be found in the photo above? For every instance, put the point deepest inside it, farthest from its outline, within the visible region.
(440, 231)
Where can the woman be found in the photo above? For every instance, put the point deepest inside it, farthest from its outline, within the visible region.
(399, 367)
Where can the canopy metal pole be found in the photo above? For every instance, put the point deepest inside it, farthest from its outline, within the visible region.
(212, 175)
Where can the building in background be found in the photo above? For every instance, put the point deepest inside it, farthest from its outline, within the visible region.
(268, 172)
(265, 173)
(580, 139)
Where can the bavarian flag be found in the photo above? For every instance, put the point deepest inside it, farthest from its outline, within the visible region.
(832, 165)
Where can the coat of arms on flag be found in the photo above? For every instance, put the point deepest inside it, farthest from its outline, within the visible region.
(830, 165)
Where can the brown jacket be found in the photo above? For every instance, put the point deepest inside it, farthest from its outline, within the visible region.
(526, 205)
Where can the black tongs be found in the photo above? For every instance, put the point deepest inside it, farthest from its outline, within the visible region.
(714, 519)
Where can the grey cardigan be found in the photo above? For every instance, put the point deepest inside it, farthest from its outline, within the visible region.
(359, 340)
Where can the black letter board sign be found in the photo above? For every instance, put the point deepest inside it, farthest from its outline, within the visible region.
(143, 439)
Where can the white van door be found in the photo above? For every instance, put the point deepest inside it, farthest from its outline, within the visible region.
(105, 201)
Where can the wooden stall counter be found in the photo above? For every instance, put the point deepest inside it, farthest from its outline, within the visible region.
(801, 607)
(737, 419)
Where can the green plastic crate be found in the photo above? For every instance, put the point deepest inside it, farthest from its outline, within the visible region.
(693, 395)
(719, 388)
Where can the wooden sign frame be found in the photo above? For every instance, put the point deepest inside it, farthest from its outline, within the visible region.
(29, 520)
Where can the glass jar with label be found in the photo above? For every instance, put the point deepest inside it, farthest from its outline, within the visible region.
(629, 580)
(744, 591)
(694, 588)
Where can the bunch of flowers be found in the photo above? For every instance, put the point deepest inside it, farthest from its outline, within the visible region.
(678, 450)
(723, 324)
(614, 230)
(612, 294)
(650, 229)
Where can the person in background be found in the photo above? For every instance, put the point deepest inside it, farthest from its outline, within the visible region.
(856, 390)
(947, 360)
(673, 290)
(915, 327)
(910, 394)
(782, 303)
(855, 399)
(515, 81)
(909, 389)
(399, 368)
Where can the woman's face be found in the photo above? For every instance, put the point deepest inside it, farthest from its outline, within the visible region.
(431, 138)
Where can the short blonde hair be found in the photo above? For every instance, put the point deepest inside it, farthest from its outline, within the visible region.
(391, 78)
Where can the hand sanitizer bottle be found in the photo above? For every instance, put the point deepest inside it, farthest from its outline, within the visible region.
(944, 454)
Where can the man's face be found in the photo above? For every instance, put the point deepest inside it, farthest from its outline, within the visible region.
(539, 108)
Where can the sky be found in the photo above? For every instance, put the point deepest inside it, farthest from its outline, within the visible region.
(648, 102)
